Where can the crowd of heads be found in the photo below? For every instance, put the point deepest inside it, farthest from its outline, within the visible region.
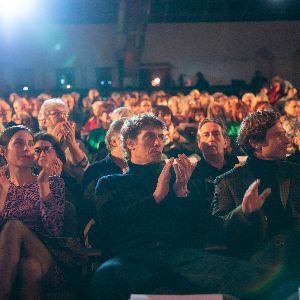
(180, 112)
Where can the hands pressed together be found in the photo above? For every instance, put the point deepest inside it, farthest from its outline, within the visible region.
(65, 130)
(49, 168)
(183, 169)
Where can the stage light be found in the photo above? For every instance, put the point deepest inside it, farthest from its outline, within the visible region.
(57, 47)
(25, 88)
(10, 9)
(155, 82)
(68, 86)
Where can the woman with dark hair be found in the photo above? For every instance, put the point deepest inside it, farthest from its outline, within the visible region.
(31, 220)
(46, 147)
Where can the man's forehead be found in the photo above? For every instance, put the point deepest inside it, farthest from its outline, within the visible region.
(147, 129)
(293, 102)
(57, 107)
(210, 126)
(276, 128)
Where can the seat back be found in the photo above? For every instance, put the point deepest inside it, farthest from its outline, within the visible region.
(71, 224)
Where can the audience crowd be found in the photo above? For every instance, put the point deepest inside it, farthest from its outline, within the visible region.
(94, 153)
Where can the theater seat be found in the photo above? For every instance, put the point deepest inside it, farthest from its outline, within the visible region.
(71, 226)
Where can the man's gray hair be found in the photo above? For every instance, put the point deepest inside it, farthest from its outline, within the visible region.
(113, 130)
(121, 112)
(48, 105)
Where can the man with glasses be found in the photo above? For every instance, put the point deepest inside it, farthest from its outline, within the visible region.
(54, 118)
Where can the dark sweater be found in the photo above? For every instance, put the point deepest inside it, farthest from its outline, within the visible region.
(294, 158)
(131, 219)
(91, 176)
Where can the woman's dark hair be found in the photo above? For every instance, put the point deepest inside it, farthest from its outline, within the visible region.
(44, 136)
(9, 132)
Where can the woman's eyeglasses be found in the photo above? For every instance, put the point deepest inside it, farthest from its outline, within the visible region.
(46, 149)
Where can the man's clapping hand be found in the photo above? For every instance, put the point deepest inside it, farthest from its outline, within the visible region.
(162, 187)
(183, 169)
(253, 201)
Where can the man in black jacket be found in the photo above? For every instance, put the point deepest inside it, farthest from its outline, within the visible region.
(113, 163)
(154, 227)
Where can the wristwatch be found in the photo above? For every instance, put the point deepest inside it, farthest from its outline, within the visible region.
(83, 163)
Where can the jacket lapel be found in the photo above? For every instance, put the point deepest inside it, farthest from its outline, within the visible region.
(284, 184)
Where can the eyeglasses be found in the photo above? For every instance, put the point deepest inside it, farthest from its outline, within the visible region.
(56, 114)
(46, 149)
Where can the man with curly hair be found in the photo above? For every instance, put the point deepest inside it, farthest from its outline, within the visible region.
(260, 201)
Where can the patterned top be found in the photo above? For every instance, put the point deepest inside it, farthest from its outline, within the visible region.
(44, 217)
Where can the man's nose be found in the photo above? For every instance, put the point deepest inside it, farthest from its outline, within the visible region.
(27, 147)
(287, 139)
(211, 138)
(158, 141)
(63, 118)
(42, 154)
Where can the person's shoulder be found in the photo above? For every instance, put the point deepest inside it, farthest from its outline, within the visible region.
(294, 158)
(97, 165)
(103, 167)
(111, 181)
(115, 177)
(234, 173)
(289, 168)
(201, 164)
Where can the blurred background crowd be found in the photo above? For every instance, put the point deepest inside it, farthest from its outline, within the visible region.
(182, 112)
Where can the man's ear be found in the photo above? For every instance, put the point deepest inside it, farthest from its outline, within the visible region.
(199, 143)
(45, 123)
(226, 143)
(255, 145)
(130, 143)
(3, 151)
(113, 142)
